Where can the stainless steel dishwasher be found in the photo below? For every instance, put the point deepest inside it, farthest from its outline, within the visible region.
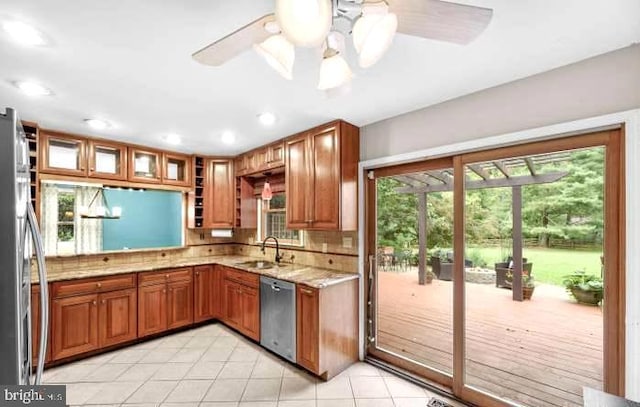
(278, 317)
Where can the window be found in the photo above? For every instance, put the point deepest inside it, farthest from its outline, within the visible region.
(272, 221)
(66, 221)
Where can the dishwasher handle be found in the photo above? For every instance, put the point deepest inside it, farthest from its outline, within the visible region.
(275, 288)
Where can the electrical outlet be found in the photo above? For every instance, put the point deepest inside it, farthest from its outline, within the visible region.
(347, 242)
(324, 248)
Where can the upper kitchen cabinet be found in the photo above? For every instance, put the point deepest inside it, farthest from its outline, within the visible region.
(176, 169)
(63, 154)
(219, 192)
(321, 178)
(144, 165)
(107, 160)
(241, 165)
(275, 155)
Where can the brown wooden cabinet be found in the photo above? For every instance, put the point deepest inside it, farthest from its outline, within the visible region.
(165, 300)
(276, 155)
(36, 309)
(207, 292)
(321, 178)
(176, 169)
(107, 160)
(327, 327)
(241, 165)
(117, 317)
(63, 154)
(219, 190)
(89, 314)
(242, 302)
(75, 325)
(145, 165)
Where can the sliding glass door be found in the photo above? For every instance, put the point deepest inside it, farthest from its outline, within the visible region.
(500, 274)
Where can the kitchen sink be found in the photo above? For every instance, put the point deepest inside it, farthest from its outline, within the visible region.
(259, 264)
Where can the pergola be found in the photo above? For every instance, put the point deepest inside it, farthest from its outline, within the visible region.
(512, 173)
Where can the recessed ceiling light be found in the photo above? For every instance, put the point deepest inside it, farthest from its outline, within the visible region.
(228, 137)
(32, 88)
(267, 118)
(23, 33)
(97, 124)
(173, 139)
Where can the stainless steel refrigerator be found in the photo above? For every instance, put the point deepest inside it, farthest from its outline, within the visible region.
(19, 240)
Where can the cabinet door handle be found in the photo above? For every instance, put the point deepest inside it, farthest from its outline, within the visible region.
(104, 301)
(166, 276)
(164, 290)
(94, 302)
(197, 273)
(98, 285)
(306, 291)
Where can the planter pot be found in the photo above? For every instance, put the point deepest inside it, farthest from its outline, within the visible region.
(587, 297)
(429, 278)
(527, 292)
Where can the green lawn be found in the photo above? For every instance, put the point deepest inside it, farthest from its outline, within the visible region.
(549, 265)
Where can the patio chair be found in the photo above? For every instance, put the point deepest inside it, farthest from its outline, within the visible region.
(503, 270)
(442, 270)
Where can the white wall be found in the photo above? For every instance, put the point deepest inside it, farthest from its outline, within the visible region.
(604, 84)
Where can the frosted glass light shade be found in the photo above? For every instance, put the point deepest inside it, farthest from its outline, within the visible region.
(267, 194)
(305, 23)
(372, 36)
(334, 72)
(279, 54)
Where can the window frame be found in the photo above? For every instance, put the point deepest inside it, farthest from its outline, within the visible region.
(261, 225)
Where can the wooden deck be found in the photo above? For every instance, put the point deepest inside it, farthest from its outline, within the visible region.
(537, 353)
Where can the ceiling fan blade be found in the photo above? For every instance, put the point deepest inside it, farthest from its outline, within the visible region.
(440, 20)
(235, 43)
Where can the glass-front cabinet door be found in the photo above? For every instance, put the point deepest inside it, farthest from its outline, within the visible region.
(144, 165)
(176, 169)
(107, 160)
(63, 154)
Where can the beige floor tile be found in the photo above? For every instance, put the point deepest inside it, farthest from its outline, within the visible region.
(368, 387)
(192, 404)
(78, 393)
(152, 392)
(70, 373)
(225, 342)
(336, 388)
(362, 369)
(226, 390)
(267, 369)
(212, 330)
(374, 403)
(298, 388)
(262, 390)
(174, 341)
(129, 356)
(205, 370)
(337, 403)
(294, 371)
(258, 404)
(172, 371)
(187, 355)
(159, 355)
(410, 402)
(218, 404)
(244, 354)
(402, 388)
(141, 405)
(189, 391)
(114, 393)
(214, 354)
(98, 359)
(236, 370)
(297, 403)
(107, 373)
(139, 372)
(200, 342)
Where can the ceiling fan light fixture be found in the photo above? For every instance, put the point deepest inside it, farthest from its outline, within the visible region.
(279, 54)
(305, 23)
(334, 72)
(373, 33)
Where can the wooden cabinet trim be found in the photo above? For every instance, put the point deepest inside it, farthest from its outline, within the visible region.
(164, 276)
(45, 138)
(243, 277)
(68, 288)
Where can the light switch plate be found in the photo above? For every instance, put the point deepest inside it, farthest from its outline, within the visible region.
(347, 242)
(324, 248)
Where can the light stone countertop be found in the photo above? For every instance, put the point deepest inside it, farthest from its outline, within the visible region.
(296, 273)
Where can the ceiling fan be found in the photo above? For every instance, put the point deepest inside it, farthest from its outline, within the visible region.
(372, 25)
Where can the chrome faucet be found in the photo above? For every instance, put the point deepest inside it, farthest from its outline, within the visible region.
(278, 256)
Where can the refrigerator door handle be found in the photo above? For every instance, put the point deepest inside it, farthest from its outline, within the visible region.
(44, 292)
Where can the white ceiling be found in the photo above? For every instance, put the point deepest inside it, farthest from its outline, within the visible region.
(129, 62)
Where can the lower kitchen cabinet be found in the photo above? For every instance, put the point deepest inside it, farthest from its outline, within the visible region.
(165, 300)
(75, 325)
(152, 309)
(207, 292)
(327, 327)
(117, 317)
(242, 302)
(179, 304)
(36, 309)
(90, 314)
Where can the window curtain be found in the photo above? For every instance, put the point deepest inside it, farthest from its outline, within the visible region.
(88, 232)
(49, 218)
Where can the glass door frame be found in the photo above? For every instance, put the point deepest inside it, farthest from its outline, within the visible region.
(613, 251)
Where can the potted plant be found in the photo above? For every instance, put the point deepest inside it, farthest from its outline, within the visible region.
(430, 276)
(585, 288)
(528, 286)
